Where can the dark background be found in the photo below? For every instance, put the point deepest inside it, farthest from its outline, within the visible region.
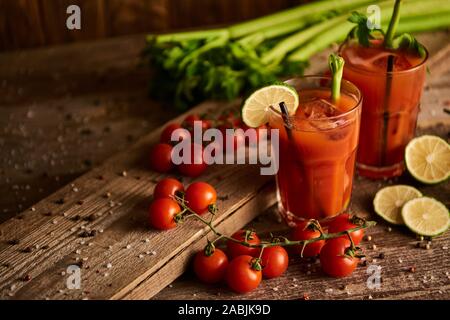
(33, 23)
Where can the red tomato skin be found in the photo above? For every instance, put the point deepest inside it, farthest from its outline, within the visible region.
(161, 157)
(235, 249)
(210, 269)
(166, 188)
(167, 132)
(199, 195)
(192, 169)
(162, 213)
(300, 233)
(333, 261)
(342, 223)
(190, 120)
(275, 261)
(240, 276)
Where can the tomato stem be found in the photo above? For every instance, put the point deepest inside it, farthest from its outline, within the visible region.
(282, 241)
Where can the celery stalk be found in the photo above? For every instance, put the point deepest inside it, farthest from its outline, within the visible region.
(288, 44)
(424, 23)
(270, 21)
(336, 66)
(300, 12)
(338, 31)
(188, 35)
(393, 24)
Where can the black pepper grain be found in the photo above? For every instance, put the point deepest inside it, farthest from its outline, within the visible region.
(87, 162)
(26, 277)
(86, 234)
(27, 250)
(91, 217)
(13, 242)
(86, 131)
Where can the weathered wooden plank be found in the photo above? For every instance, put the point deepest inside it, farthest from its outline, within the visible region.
(147, 288)
(45, 266)
(57, 117)
(27, 23)
(122, 218)
(431, 279)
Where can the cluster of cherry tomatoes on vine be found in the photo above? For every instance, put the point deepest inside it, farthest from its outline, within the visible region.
(160, 153)
(247, 259)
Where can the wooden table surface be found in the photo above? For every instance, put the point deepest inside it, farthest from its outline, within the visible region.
(63, 110)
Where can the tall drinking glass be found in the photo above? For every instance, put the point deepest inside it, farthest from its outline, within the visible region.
(391, 104)
(317, 153)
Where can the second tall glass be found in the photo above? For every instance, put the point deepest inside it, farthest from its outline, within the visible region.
(391, 105)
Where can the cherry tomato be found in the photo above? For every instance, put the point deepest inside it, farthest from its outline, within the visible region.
(305, 231)
(199, 195)
(241, 276)
(166, 135)
(193, 169)
(162, 213)
(235, 249)
(210, 269)
(230, 119)
(334, 260)
(274, 261)
(166, 188)
(345, 222)
(161, 157)
(190, 120)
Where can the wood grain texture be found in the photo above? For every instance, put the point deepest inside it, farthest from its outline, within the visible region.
(120, 223)
(431, 279)
(64, 110)
(49, 131)
(33, 23)
(304, 276)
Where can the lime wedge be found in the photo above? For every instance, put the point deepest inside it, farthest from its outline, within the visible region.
(389, 201)
(427, 159)
(426, 216)
(256, 109)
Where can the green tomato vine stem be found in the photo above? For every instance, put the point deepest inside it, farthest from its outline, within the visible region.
(281, 241)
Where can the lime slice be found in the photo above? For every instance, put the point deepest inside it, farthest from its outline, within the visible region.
(426, 216)
(256, 109)
(388, 202)
(427, 159)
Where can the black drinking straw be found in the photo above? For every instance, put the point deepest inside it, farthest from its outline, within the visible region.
(388, 43)
(387, 95)
(287, 121)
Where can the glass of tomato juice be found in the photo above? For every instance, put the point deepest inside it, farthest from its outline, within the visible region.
(317, 150)
(391, 104)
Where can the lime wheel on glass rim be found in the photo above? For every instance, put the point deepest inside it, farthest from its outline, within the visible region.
(256, 108)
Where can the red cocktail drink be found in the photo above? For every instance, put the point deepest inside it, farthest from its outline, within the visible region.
(317, 154)
(391, 104)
